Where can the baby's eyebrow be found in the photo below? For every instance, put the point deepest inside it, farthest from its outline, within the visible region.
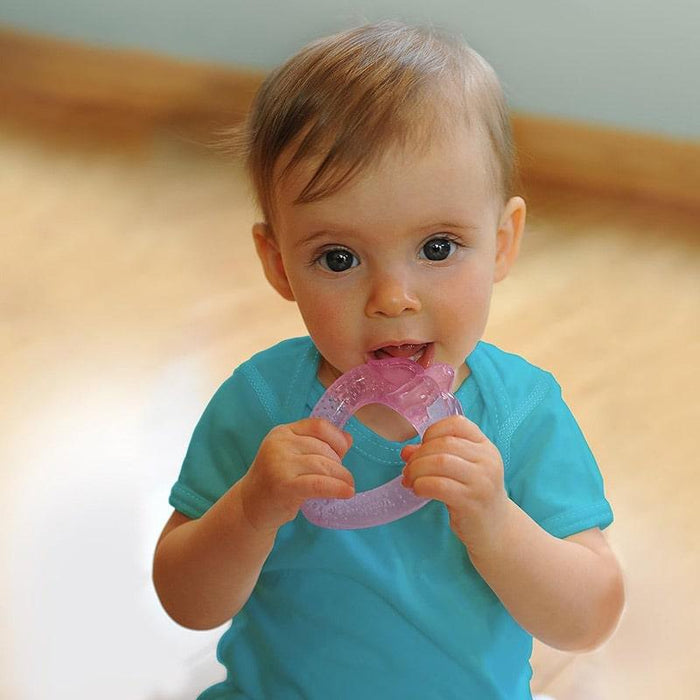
(451, 224)
(310, 238)
(332, 232)
(464, 228)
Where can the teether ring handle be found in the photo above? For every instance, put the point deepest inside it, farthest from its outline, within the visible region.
(421, 396)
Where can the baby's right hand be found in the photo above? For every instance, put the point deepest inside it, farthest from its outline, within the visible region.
(295, 462)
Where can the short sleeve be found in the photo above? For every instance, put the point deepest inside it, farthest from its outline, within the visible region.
(551, 472)
(223, 446)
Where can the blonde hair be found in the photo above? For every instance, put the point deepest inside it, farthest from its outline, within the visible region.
(345, 99)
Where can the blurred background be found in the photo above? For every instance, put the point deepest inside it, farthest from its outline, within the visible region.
(129, 290)
(630, 63)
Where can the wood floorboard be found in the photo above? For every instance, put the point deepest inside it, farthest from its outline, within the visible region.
(129, 290)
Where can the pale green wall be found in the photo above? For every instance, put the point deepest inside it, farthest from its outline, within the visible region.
(631, 63)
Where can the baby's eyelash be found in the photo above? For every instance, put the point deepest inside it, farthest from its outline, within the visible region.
(446, 236)
(316, 255)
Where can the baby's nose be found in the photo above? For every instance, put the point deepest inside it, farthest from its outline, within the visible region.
(392, 295)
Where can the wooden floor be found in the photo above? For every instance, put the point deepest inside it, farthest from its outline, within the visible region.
(129, 290)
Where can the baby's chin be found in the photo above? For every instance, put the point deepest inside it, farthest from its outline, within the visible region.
(462, 371)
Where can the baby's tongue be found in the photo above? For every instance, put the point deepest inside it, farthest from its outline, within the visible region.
(400, 350)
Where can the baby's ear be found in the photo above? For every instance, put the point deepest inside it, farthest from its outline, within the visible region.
(271, 259)
(510, 233)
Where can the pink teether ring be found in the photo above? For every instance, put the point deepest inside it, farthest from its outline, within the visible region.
(419, 395)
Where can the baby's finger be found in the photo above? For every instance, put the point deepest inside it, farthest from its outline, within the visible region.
(442, 465)
(437, 488)
(448, 445)
(408, 451)
(457, 426)
(308, 445)
(308, 486)
(319, 465)
(323, 430)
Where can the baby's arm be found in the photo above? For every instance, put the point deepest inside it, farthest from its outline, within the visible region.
(204, 570)
(567, 593)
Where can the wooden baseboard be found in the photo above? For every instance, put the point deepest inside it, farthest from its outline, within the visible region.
(76, 85)
(609, 160)
(79, 86)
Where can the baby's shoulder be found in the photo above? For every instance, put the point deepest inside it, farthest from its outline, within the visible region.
(278, 377)
(278, 365)
(508, 381)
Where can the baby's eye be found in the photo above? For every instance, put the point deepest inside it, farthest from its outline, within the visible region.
(338, 260)
(439, 248)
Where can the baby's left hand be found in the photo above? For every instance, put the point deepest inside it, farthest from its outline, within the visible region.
(458, 465)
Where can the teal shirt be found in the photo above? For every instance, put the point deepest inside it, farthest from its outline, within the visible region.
(396, 611)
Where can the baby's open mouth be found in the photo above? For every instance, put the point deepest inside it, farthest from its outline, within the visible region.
(418, 352)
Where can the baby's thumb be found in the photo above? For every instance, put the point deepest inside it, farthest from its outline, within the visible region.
(348, 442)
(408, 452)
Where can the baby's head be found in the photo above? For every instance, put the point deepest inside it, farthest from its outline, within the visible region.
(344, 100)
(383, 164)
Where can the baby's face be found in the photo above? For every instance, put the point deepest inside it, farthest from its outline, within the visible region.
(399, 262)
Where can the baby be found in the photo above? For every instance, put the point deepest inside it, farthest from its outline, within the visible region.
(382, 161)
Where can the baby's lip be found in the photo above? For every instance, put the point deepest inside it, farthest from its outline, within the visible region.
(397, 344)
(419, 351)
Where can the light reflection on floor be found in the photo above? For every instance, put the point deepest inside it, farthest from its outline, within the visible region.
(87, 508)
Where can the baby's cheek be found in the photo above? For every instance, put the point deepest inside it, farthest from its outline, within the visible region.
(326, 319)
(329, 314)
(331, 325)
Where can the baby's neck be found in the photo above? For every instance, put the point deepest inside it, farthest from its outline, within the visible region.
(385, 422)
